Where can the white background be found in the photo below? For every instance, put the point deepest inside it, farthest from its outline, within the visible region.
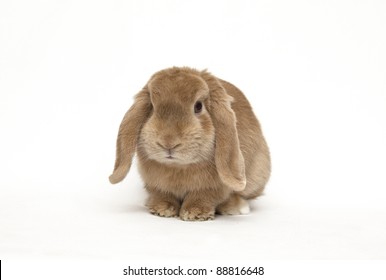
(314, 72)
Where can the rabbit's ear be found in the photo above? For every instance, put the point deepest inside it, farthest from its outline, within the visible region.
(129, 130)
(228, 157)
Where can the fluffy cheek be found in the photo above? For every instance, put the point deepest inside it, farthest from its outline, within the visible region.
(202, 140)
(198, 141)
(147, 142)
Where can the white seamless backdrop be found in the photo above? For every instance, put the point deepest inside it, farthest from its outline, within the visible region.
(314, 72)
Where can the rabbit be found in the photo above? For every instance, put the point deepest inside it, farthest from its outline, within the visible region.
(200, 148)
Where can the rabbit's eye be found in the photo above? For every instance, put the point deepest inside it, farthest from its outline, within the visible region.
(198, 107)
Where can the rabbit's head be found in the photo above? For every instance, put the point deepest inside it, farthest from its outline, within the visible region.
(180, 129)
(182, 117)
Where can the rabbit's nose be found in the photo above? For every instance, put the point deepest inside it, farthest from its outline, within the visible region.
(168, 146)
(168, 142)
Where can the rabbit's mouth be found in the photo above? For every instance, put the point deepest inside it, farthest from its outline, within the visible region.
(174, 159)
(171, 161)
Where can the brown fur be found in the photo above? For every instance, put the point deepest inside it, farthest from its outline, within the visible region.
(193, 164)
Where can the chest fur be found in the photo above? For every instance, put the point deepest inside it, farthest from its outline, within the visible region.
(179, 180)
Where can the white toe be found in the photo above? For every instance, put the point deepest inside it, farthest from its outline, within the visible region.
(244, 207)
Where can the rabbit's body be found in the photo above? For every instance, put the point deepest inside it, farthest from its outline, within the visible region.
(193, 156)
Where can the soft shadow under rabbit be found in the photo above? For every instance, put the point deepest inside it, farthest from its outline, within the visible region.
(199, 145)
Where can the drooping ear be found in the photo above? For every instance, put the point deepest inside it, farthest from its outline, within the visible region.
(129, 130)
(228, 157)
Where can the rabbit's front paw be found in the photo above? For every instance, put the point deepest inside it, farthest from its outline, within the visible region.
(164, 209)
(197, 214)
